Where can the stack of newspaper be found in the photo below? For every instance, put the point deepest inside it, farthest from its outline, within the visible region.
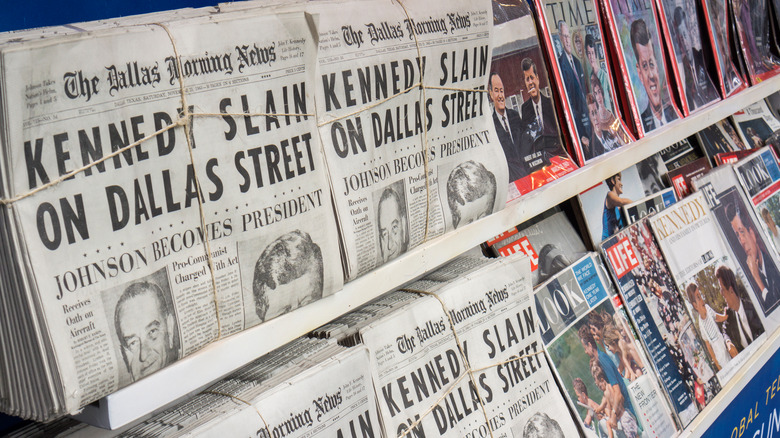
(149, 207)
(466, 357)
(403, 113)
(308, 387)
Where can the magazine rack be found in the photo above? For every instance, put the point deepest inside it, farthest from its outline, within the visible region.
(222, 357)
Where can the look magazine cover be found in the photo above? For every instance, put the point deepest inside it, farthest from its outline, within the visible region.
(603, 371)
(637, 43)
(753, 31)
(579, 62)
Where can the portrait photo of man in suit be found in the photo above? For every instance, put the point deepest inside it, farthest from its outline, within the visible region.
(537, 112)
(761, 267)
(657, 113)
(574, 81)
(742, 325)
(509, 127)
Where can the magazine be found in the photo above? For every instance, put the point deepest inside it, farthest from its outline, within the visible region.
(759, 176)
(751, 18)
(681, 153)
(755, 124)
(731, 157)
(689, 372)
(680, 23)
(648, 205)
(602, 204)
(700, 261)
(523, 102)
(551, 245)
(718, 23)
(680, 178)
(636, 40)
(720, 137)
(581, 68)
(607, 378)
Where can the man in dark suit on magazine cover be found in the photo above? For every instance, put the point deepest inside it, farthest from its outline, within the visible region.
(656, 114)
(541, 141)
(537, 111)
(742, 325)
(574, 80)
(509, 127)
(760, 265)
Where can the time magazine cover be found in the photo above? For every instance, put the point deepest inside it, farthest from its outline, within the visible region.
(687, 370)
(523, 102)
(637, 42)
(717, 19)
(603, 370)
(680, 23)
(581, 67)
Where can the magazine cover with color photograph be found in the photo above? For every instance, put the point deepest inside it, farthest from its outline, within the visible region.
(581, 67)
(637, 41)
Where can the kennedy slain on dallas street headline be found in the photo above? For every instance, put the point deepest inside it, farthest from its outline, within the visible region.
(396, 151)
(224, 196)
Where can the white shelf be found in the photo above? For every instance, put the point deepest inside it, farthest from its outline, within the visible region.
(718, 405)
(220, 358)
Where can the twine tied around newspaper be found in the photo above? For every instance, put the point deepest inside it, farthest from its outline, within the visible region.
(186, 116)
(241, 400)
(468, 372)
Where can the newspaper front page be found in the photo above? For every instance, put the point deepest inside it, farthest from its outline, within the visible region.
(591, 345)
(122, 253)
(406, 163)
(419, 365)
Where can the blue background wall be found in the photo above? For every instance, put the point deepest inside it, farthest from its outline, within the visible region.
(36, 13)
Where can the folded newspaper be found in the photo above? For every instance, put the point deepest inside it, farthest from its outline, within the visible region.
(149, 207)
(467, 361)
(405, 124)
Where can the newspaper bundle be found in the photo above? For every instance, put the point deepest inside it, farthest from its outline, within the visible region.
(469, 361)
(405, 124)
(675, 345)
(606, 377)
(707, 274)
(156, 199)
(329, 395)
